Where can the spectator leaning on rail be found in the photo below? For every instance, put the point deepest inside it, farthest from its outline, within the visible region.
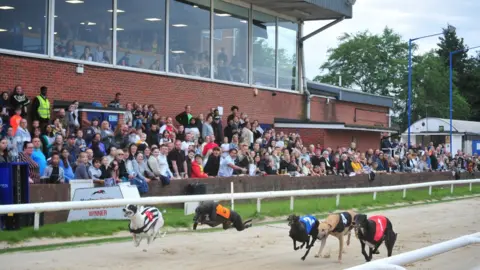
(41, 107)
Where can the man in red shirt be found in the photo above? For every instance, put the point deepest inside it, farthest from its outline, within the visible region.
(210, 144)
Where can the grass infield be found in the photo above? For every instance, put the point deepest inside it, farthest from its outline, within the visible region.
(175, 218)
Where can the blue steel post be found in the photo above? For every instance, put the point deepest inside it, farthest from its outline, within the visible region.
(409, 89)
(451, 102)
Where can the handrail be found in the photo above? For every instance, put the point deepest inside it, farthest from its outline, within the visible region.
(396, 261)
(38, 208)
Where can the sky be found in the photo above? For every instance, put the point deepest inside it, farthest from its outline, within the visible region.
(409, 18)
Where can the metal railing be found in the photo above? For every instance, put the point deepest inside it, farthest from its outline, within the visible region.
(396, 262)
(38, 208)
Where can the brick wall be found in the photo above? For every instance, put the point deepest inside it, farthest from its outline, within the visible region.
(169, 94)
(334, 138)
(343, 138)
(309, 136)
(340, 111)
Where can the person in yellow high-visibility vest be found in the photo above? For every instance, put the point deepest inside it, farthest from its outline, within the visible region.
(41, 107)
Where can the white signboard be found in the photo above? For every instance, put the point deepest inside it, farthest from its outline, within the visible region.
(102, 193)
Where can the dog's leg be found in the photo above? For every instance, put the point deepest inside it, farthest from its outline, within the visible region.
(340, 251)
(309, 246)
(136, 240)
(295, 245)
(390, 242)
(370, 253)
(364, 252)
(322, 246)
(349, 235)
(375, 250)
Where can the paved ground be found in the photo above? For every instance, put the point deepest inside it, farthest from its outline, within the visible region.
(269, 247)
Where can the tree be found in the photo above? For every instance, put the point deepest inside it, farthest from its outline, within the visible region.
(374, 63)
(449, 42)
(430, 97)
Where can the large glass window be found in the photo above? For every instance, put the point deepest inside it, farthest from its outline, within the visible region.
(263, 49)
(141, 34)
(83, 30)
(23, 25)
(287, 54)
(230, 42)
(189, 42)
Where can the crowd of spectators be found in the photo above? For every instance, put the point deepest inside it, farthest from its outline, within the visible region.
(146, 146)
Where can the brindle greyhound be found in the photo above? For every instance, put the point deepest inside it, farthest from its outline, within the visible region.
(337, 225)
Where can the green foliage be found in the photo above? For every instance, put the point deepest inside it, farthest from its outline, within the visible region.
(378, 64)
(374, 63)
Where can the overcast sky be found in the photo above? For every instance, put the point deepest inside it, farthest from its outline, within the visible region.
(410, 18)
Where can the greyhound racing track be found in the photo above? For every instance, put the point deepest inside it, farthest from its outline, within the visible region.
(269, 247)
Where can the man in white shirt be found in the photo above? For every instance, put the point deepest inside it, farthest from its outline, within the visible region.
(187, 143)
(227, 164)
(162, 161)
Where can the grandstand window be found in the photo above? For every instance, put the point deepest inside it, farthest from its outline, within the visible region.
(23, 25)
(141, 34)
(287, 54)
(264, 40)
(230, 42)
(189, 37)
(83, 30)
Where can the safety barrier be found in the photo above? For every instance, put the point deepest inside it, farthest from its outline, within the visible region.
(396, 262)
(38, 208)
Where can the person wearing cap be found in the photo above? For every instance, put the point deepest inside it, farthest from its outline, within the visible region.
(41, 107)
(217, 129)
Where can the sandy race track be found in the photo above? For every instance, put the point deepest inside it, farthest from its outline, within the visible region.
(269, 247)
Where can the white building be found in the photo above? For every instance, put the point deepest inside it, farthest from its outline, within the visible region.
(465, 134)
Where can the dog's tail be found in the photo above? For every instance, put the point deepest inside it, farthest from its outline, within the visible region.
(247, 221)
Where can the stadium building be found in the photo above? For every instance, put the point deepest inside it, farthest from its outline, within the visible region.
(207, 53)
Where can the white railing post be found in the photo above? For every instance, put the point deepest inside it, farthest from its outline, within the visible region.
(451, 189)
(232, 201)
(430, 190)
(404, 193)
(337, 203)
(291, 203)
(36, 221)
(259, 205)
(375, 196)
(470, 187)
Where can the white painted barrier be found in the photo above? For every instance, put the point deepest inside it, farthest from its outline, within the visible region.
(395, 262)
(58, 206)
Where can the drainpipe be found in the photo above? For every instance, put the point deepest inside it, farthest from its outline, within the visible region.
(301, 40)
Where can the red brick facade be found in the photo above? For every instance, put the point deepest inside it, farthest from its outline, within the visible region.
(171, 94)
(336, 138)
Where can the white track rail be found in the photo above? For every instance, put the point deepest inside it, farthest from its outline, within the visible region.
(396, 262)
(38, 208)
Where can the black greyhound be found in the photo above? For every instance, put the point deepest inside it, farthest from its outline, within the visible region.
(217, 214)
(301, 230)
(372, 232)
